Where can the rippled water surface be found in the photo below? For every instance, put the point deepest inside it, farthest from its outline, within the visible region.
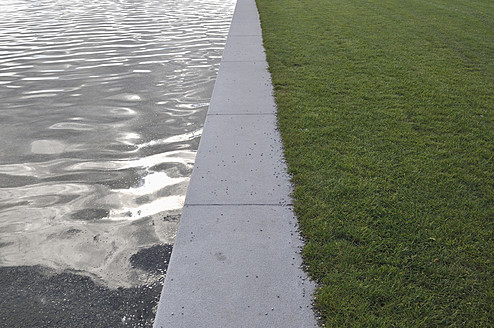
(101, 108)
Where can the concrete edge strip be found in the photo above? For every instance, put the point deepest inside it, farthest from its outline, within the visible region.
(236, 261)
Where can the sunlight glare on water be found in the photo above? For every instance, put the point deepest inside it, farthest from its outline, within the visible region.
(101, 110)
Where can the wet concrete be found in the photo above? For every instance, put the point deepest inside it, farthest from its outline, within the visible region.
(38, 296)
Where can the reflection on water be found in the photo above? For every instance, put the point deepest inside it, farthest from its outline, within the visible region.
(101, 109)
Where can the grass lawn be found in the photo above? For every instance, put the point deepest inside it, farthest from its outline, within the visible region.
(386, 112)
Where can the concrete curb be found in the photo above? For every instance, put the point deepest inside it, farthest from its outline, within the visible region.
(236, 259)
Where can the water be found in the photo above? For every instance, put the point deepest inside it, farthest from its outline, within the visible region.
(101, 109)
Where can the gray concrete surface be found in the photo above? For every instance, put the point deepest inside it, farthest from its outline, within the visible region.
(236, 259)
(240, 162)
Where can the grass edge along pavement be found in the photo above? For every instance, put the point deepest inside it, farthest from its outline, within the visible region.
(386, 115)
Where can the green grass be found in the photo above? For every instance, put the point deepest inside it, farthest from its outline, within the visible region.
(386, 114)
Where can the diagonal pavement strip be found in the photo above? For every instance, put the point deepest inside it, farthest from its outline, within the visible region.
(236, 259)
